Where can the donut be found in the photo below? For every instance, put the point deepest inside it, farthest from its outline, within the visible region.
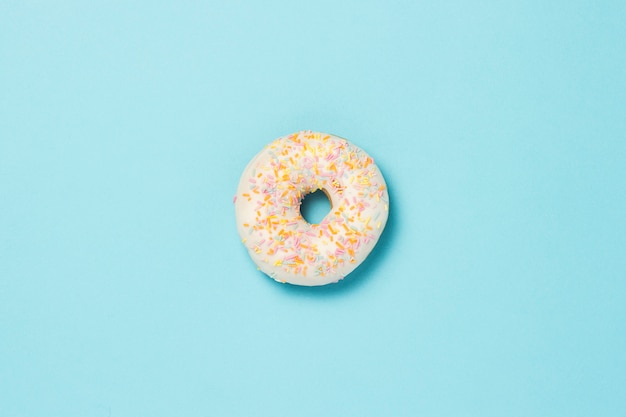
(267, 208)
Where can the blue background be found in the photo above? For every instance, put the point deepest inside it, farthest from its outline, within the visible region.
(498, 289)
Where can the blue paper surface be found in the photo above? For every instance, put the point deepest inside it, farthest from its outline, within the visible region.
(498, 288)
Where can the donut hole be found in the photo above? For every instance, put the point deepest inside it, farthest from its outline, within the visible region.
(315, 206)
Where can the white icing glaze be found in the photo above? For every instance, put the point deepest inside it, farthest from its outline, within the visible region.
(267, 207)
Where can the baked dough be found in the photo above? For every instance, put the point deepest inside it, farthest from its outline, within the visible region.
(267, 205)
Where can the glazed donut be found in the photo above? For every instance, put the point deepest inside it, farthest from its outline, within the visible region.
(267, 207)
